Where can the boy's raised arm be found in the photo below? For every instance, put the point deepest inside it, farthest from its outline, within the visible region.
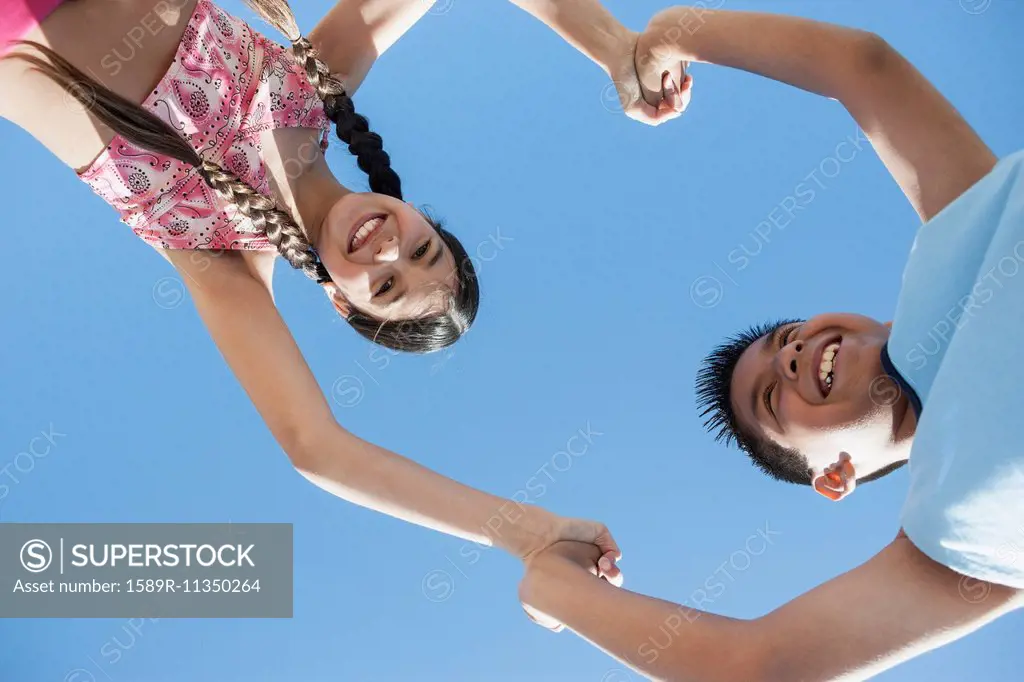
(929, 149)
(898, 605)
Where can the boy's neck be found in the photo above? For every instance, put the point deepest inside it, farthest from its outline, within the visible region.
(904, 427)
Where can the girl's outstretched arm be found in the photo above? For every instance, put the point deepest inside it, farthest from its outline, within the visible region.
(231, 294)
(930, 150)
(356, 32)
(587, 26)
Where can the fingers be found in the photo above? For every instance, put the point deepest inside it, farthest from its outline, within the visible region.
(644, 113)
(675, 98)
(671, 97)
(607, 569)
(686, 85)
(651, 115)
(607, 544)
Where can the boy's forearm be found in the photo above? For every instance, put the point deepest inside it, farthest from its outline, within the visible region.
(822, 58)
(584, 24)
(930, 150)
(659, 639)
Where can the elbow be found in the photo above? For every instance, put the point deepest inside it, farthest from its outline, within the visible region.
(872, 55)
(755, 656)
(305, 446)
(326, 455)
(869, 67)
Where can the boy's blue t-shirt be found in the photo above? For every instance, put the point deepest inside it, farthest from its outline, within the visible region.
(957, 350)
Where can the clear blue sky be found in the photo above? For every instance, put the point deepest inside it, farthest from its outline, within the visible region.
(587, 318)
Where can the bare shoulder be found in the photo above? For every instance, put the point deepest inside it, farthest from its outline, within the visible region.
(125, 45)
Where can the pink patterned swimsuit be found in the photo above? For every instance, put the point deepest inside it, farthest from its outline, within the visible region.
(226, 86)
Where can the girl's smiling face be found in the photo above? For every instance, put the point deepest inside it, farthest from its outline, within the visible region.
(385, 258)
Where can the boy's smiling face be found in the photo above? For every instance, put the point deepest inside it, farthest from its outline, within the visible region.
(818, 387)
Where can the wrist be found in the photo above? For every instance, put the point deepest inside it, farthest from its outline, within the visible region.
(593, 30)
(541, 570)
(522, 529)
(667, 32)
(549, 575)
(616, 47)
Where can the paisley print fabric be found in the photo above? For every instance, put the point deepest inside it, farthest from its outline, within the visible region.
(226, 86)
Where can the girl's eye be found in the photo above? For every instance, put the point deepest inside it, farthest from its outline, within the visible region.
(421, 252)
(386, 287)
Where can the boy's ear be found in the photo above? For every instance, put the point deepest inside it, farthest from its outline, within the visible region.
(838, 480)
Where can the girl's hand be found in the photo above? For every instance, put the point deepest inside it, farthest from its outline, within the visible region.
(653, 88)
(664, 82)
(559, 529)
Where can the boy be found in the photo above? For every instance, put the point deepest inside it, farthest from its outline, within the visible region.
(841, 399)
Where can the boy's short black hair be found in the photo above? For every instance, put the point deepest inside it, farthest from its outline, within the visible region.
(714, 404)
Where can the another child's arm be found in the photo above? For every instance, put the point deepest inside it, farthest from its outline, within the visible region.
(356, 32)
(589, 27)
(898, 605)
(930, 150)
(240, 315)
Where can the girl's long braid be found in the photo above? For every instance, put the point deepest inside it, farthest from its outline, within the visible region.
(352, 128)
(147, 131)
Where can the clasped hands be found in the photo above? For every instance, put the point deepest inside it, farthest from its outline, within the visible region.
(652, 83)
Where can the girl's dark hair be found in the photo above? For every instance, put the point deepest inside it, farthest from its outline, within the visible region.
(147, 131)
(422, 334)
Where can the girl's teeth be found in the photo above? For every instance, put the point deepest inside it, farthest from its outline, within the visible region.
(363, 232)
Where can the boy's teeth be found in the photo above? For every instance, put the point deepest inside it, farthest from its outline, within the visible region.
(828, 357)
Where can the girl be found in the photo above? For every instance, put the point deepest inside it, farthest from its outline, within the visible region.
(219, 167)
